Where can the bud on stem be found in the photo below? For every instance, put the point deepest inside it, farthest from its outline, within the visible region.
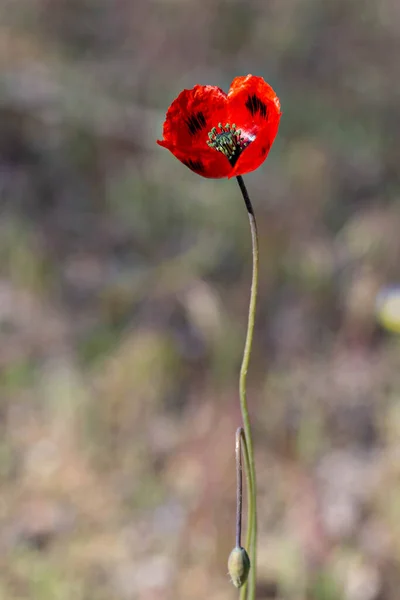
(238, 566)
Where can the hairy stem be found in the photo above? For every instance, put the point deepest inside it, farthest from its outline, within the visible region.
(252, 506)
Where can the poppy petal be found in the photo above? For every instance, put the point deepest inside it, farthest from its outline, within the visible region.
(256, 108)
(189, 119)
(207, 162)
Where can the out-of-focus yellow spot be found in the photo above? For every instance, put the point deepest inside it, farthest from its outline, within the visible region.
(388, 309)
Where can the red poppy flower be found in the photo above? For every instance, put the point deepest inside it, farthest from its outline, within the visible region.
(223, 135)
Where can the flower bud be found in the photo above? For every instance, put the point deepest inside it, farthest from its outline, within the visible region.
(238, 566)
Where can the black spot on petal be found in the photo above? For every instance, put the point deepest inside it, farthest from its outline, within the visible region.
(195, 165)
(255, 105)
(264, 150)
(196, 123)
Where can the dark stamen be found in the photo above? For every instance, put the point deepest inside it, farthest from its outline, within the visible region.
(228, 140)
(196, 123)
(254, 105)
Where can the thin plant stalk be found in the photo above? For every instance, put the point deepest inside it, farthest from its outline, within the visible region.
(239, 486)
(243, 589)
(250, 588)
(241, 450)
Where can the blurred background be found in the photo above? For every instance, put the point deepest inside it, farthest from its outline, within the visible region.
(124, 284)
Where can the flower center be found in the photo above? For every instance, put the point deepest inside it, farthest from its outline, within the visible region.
(228, 140)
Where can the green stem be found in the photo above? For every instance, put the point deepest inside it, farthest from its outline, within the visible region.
(252, 505)
(250, 517)
(239, 486)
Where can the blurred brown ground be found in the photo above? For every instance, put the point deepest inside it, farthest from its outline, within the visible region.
(124, 282)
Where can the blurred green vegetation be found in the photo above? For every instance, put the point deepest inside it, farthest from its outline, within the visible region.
(124, 283)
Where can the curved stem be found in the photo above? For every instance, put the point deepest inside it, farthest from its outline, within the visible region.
(252, 508)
